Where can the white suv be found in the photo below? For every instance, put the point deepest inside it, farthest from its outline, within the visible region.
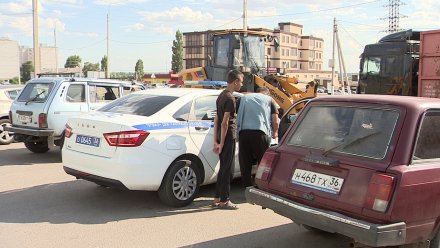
(39, 114)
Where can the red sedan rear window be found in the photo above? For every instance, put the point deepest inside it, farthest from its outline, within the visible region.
(358, 131)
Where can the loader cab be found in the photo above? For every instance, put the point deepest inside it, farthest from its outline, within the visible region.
(244, 51)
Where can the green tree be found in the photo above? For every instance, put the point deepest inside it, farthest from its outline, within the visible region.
(73, 61)
(90, 67)
(14, 80)
(139, 70)
(104, 63)
(177, 58)
(25, 71)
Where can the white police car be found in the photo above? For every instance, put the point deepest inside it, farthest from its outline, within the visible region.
(156, 140)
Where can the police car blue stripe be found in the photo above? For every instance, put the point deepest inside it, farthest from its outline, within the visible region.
(172, 125)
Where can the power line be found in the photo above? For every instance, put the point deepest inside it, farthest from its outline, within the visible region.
(141, 43)
(317, 11)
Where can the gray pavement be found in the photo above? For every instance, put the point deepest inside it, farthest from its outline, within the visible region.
(41, 206)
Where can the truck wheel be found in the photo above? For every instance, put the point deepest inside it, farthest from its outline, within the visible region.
(6, 138)
(37, 146)
(180, 184)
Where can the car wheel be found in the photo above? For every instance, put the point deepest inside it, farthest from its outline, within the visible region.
(180, 184)
(6, 138)
(435, 242)
(37, 146)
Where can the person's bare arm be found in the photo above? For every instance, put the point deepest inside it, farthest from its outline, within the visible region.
(275, 125)
(224, 129)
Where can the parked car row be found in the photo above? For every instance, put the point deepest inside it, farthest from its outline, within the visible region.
(367, 167)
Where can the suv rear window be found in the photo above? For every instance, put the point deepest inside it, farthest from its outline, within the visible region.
(138, 104)
(35, 92)
(357, 131)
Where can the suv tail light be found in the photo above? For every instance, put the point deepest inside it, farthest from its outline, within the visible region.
(42, 120)
(126, 138)
(267, 164)
(379, 193)
(68, 131)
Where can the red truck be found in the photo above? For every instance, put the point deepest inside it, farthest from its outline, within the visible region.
(404, 63)
(364, 166)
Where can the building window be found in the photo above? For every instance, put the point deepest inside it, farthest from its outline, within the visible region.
(287, 52)
(283, 38)
(293, 64)
(268, 51)
(294, 52)
(282, 52)
(288, 39)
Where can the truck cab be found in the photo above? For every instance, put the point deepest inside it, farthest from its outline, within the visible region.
(390, 67)
(39, 114)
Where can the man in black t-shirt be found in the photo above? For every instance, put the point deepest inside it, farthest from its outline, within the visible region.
(225, 130)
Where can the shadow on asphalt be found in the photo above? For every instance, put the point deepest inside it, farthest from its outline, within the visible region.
(287, 235)
(22, 156)
(58, 202)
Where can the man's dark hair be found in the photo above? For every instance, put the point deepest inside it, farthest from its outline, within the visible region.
(234, 75)
(263, 90)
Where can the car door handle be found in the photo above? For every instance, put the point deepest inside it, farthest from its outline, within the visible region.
(201, 128)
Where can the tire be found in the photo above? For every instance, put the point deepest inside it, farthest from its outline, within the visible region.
(180, 184)
(37, 146)
(435, 242)
(6, 138)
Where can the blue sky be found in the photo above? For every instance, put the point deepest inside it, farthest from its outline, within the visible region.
(145, 29)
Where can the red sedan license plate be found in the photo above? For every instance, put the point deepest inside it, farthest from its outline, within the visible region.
(317, 181)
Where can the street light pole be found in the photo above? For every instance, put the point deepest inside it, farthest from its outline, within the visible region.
(36, 43)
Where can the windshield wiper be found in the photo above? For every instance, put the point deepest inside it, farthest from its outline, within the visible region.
(35, 97)
(349, 142)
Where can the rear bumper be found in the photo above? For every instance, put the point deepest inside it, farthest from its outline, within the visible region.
(96, 179)
(30, 131)
(361, 231)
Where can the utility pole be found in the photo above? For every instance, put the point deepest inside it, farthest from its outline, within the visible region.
(107, 72)
(56, 49)
(36, 43)
(333, 55)
(342, 72)
(245, 14)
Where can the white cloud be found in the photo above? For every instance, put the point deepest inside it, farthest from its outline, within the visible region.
(135, 27)
(118, 2)
(17, 7)
(164, 30)
(82, 34)
(183, 15)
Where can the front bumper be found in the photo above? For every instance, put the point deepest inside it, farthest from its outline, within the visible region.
(361, 231)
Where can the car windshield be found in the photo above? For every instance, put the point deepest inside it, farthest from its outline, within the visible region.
(35, 92)
(357, 131)
(138, 104)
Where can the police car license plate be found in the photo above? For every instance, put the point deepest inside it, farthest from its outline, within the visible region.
(319, 181)
(88, 140)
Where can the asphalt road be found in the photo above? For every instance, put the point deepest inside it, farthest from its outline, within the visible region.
(41, 206)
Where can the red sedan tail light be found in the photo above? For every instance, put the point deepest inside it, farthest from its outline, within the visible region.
(379, 193)
(126, 138)
(266, 166)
